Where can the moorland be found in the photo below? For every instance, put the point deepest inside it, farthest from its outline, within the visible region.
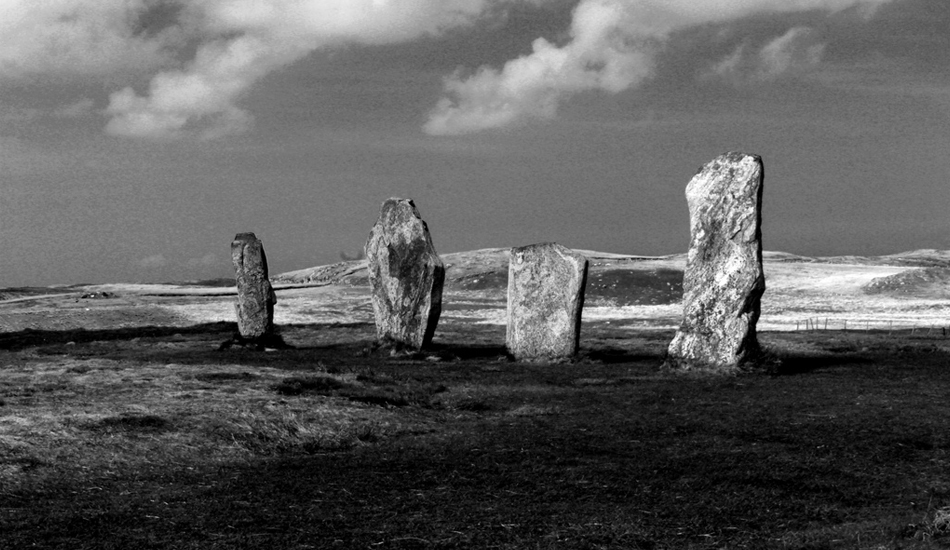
(124, 422)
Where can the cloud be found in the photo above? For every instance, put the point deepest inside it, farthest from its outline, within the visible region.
(78, 37)
(612, 48)
(185, 65)
(794, 52)
(200, 57)
(239, 42)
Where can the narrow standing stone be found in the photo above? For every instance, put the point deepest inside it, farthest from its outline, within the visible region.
(724, 281)
(256, 298)
(545, 298)
(406, 276)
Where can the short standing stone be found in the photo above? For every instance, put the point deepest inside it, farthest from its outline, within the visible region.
(256, 298)
(724, 281)
(406, 276)
(545, 299)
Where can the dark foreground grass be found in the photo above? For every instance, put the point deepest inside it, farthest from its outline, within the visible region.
(336, 446)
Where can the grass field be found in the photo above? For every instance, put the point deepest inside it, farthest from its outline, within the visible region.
(154, 438)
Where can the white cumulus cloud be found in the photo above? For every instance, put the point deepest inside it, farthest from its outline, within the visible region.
(77, 37)
(199, 56)
(612, 47)
(241, 41)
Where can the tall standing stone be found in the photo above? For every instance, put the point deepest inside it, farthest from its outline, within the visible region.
(545, 298)
(406, 276)
(256, 298)
(724, 280)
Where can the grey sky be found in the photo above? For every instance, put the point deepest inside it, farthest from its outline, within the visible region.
(136, 138)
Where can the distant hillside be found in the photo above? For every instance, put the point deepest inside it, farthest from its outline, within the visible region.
(616, 279)
(478, 268)
(462, 268)
(620, 279)
(22, 292)
(927, 257)
(929, 282)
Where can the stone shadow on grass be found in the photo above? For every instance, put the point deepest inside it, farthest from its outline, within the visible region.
(484, 351)
(795, 364)
(611, 355)
(14, 341)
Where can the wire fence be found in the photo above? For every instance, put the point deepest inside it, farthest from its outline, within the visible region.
(859, 325)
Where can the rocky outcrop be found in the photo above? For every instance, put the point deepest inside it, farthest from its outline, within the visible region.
(256, 298)
(406, 276)
(724, 281)
(545, 299)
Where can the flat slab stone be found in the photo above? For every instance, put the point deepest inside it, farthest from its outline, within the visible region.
(546, 285)
(724, 281)
(256, 298)
(406, 276)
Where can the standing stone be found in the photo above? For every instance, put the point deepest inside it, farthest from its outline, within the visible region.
(256, 298)
(545, 298)
(405, 275)
(724, 281)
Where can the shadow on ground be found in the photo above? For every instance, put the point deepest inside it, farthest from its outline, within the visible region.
(33, 338)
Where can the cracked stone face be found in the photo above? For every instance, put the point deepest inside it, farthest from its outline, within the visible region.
(545, 299)
(256, 298)
(406, 276)
(723, 282)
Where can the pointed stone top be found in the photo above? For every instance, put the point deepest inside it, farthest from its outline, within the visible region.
(736, 156)
(250, 236)
(400, 199)
(398, 207)
(729, 166)
(400, 221)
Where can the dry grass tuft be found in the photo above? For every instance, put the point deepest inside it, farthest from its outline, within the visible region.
(290, 433)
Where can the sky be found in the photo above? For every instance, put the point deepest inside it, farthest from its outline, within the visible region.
(137, 137)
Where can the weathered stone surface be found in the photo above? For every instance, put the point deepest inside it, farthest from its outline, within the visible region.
(724, 281)
(406, 276)
(256, 298)
(545, 299)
